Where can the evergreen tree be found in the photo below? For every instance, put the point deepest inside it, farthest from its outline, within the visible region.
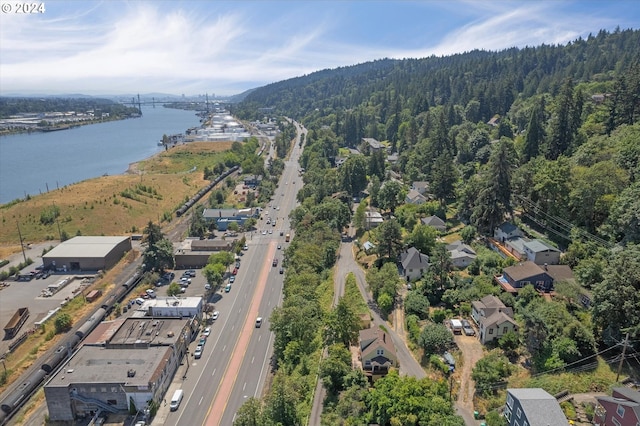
(535, 133)
(494, 197)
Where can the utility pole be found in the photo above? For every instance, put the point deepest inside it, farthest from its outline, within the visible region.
(624, 350)
(21, 242)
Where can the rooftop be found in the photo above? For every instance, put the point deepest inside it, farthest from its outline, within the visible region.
(85, 246)
(95, 365)
(148, 331)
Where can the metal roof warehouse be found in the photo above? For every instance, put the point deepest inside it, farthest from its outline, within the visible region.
(87, 253)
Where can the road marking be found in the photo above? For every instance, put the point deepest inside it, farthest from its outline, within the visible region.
(214, 372)
(224, 348)
(201, 398)
(259, 337)
(244, 386)
(221, 397)
(252, 359)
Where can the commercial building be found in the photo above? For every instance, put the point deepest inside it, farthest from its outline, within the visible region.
(87, 253)
(123, 365)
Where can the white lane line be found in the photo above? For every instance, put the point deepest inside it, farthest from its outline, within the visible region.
(201, 398)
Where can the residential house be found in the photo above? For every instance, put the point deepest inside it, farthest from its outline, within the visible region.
(370, 145)
(507, 231)
(420, 186)
(493, 318)
(540, 253)
(413, 264)
(622, 408)
(541, 277)
(372, 219)
(461, 254)
(377, 352)
(414, 197)
(435, 222)
(515, 246)
(533, 407)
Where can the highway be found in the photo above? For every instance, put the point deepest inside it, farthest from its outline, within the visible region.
(237, 356)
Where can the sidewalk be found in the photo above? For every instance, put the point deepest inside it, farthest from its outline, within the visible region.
(163, 411)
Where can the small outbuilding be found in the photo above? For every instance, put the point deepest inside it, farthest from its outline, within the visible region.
(87, 253)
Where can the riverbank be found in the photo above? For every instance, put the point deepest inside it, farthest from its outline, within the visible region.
(151, 189)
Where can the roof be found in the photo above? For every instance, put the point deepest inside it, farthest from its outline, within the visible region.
(373, 143)
(497, 318)
(523, 270)
(158, 331)
(541, 408)
(559, 272)
(414, 195)
(372, 338)
(413, 259)
(508, 227)
(434, 221)
(85, 246)
(96, 365)
(489, 301)
(630, 394)
(537, 246)
(420, 186)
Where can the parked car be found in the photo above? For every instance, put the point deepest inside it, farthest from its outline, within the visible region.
(202, 341)
(207, 286)
(207, 331)
(198, 352)
(275, 262)
(215, 315)
(232, 278)
(191, 273)
(467, 328)
(281, 270)
(246, 247)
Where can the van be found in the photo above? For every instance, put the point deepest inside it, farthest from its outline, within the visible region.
(176, 399)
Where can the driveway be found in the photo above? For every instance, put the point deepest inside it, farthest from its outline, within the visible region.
(472, 351)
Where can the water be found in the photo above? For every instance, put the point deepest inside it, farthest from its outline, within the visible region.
(30, 162)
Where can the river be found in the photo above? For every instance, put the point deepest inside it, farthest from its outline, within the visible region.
(31, 162)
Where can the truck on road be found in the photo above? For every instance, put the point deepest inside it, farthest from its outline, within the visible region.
(16, 321)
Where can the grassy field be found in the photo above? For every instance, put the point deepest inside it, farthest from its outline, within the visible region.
(111, 205)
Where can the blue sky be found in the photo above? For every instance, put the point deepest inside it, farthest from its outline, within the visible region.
(225, 47)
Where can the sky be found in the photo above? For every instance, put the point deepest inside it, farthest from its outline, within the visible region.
(193, 47)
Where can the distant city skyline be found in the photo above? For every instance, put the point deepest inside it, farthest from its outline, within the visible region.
(227, 47)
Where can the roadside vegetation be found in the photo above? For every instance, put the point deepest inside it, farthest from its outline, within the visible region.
(550, 148)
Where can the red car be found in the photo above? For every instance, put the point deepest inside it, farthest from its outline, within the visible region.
(235, 271)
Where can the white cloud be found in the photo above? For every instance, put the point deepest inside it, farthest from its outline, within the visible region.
(227, 47)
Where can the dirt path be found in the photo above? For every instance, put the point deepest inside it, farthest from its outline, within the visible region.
(472, 351)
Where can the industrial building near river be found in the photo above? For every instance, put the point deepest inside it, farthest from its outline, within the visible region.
(87, 253)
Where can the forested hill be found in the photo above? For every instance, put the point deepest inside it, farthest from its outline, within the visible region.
(494, 79)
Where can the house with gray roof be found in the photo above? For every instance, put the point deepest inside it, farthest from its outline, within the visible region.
(461, 254)
(413, 264)
(493, 318)
(506, 231)
(420, 186)
(533, 407)
(541, 277)
(540, 253)
(414, 197)
(435, 222)
(371, 145)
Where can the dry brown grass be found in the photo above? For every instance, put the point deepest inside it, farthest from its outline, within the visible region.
(96, 206)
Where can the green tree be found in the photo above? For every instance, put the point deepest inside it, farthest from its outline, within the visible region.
(63, 322)
(435, 338)
(152, 234)
(616, 300)
(388, 236)
(535, 132)
(423, 238)
(159, 256)
(494, 196)
(250, 414)
(416, 304)
(491, 371)
(509, 343)
(342, 324)
(468, 234)
(353, 174)
(383, 280)
(335, 368)
(173, 290)
(392, 194)
(214, 273)
(280, 406)
(443, 178)
(359, 218)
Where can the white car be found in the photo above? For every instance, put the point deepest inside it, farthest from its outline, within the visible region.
(270, 231)
(246, 247)
(264, 232)
(198, 352)
(215, 315)
(207, 331)
(207, 286)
